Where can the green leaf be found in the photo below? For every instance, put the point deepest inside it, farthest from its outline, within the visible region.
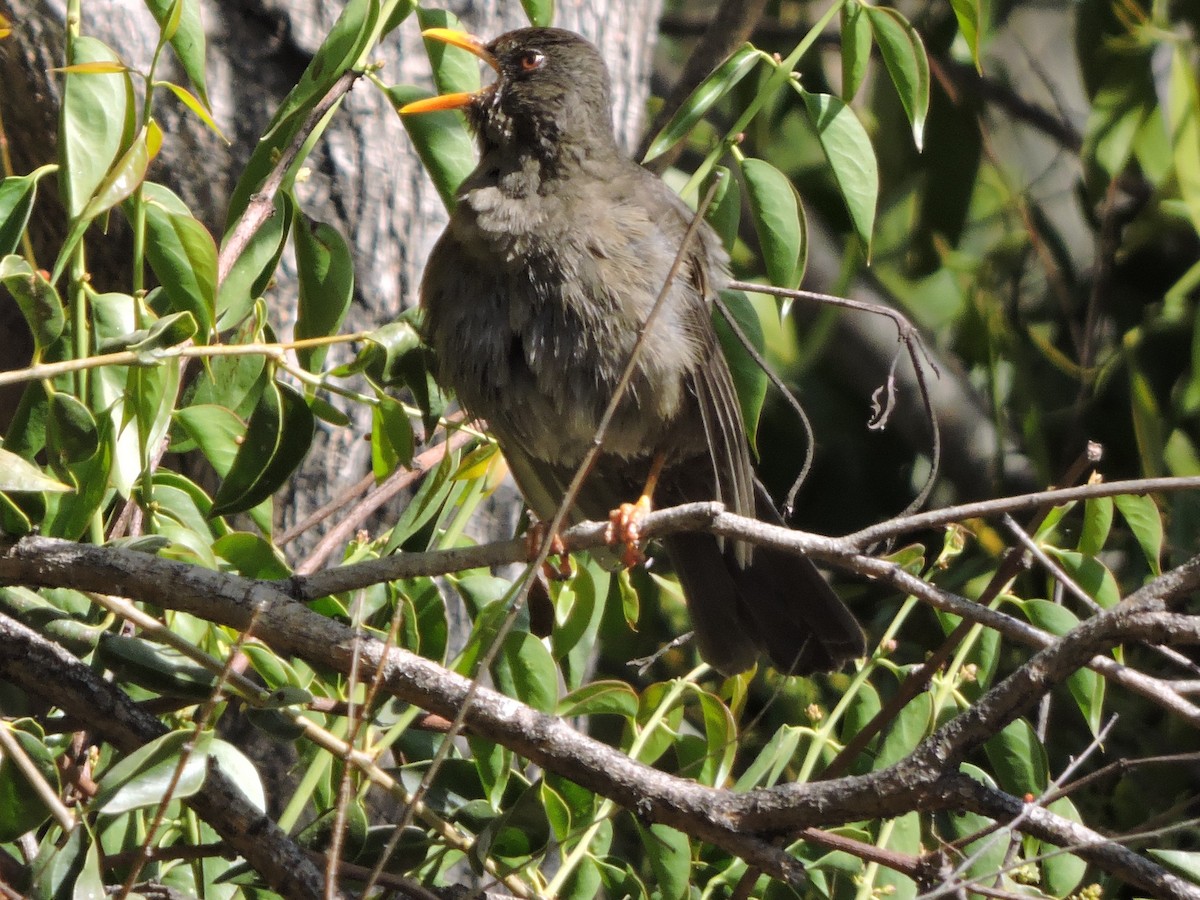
(1086, 686)
(778, 220)
(252, 556)
(17, 195)
(252, 270)
(16, 474)
(95, 124)
(910, 727)
(241, 771)
(1090, 574)
(277, 437)
(1144, 520)
(851, 158)
(68, 515)
(1062, 873)
(539, 12)
(772, 761)
(71, 433)
(749, 379)
(706, 95)
(670, 854)
(441, 140)
(906, 62)
(454, 69)
(37, 299)
(122, 180)
(1018, 760)
(186, 34)
(183, 255)
(21, 807)
(1183, 862)
(720, 738)
(142, 778)
(968, 13)
(856, 48)
(599, 698)
(1097, 522)
(326, 274)
(163, 670)
(525, 670)
(725, 212)
(391, 437)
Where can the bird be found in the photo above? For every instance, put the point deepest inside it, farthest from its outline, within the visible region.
(557, 249)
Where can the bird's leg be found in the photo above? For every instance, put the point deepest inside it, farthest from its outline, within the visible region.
(534, 538)
(625, 521)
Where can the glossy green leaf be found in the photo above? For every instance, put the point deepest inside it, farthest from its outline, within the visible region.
(670, 855)
(599, 698)
(851, 158)
(856, 48)
(255, 265)
(1086, 686)
(183, 255)
(391, 438)
(185, 31)
(909, 728)
(1018, 760)
(96, 124)
(1184, 862)
(252, 556)
(987, 852)
(1090, 574)
(277, 437)
(772, 761)
(21, 807)
(118, 183)
(539, 12)
(778, 220)
(71, 435)
(69, 515)
(525, 670)
(1097, 522)
(67, 869)
(383, 351)
(143, 778)
(724, 213)
(441, 140)
(1062, 873)
(17, 195)
(574, 637)
(706, 95)
(969, 15)
(326, 274)
(425, 504)
(37, 299)
(904, 56)
(454, 69)
(720, 739)
(749, 379)
(17, 474)
(188, 99)
(1141, 514)
(241, 771)
(665, 732)
(155, 667)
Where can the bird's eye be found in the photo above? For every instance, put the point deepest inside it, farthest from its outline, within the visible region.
(531, 60)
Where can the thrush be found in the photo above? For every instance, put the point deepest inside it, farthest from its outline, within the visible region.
(534, 296)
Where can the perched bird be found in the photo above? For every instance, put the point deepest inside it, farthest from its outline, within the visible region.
(534, 297)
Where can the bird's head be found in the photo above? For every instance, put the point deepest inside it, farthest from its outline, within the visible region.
(550, 99)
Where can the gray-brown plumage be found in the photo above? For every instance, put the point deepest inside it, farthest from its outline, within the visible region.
(534, 297)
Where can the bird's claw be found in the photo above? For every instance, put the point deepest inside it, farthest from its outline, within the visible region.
(624, 527)
(534, 538)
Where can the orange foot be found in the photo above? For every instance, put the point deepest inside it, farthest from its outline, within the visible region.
(534, 538)
(624, 526)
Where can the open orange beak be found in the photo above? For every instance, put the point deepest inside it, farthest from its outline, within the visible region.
(465, 41)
